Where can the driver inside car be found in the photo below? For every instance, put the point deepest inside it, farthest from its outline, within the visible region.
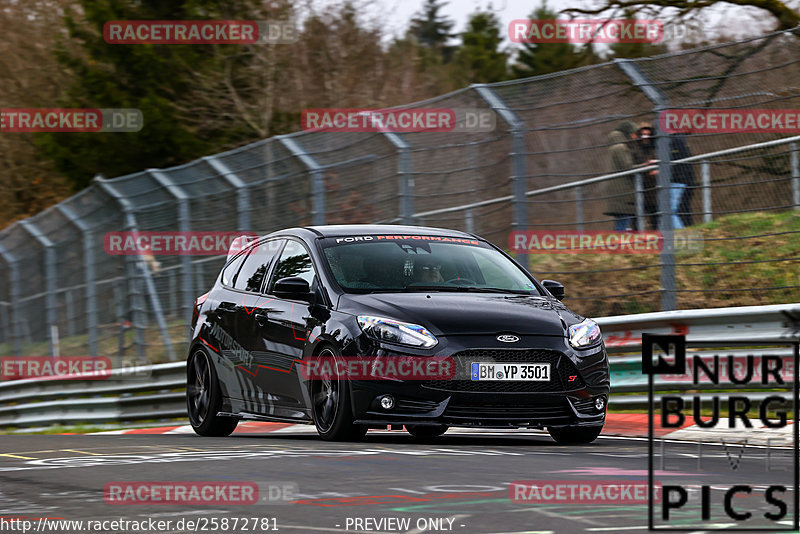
(427, 271)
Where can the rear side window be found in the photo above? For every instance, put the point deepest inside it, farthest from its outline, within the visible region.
(256, 266)
(229, 272)
(294, 261)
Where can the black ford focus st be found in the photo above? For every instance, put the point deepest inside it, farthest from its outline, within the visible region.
(516, 356)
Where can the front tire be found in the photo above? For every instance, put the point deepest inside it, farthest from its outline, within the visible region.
(204, 398)
(575, 435)
(332, 408)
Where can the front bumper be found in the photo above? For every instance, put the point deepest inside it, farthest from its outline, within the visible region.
(568, 399)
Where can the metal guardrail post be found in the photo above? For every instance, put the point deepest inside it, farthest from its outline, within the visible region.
(405, 180)
(13, 292)
(50, 279)
(184, 225)
(640, 220)
(317, 179)
(517, 153)
(795, 156)
(130, 223)
(705, 173)
(242, 192)
(88, 274)
(664, 181)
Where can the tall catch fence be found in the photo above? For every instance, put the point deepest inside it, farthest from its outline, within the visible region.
(544, 167)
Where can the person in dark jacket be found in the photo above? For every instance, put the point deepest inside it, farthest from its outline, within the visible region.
(682, 173)
(645, 154)
(621, 191)
(682, 177)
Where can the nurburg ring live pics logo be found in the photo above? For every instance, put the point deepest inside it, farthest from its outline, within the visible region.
(730, 461)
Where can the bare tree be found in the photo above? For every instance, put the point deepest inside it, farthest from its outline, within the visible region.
(786, 17)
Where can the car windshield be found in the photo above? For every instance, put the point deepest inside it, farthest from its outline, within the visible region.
(364, 264)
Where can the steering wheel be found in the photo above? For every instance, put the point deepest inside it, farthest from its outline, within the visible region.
(466, 280)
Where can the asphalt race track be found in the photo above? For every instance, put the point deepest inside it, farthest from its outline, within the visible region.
(458, 483)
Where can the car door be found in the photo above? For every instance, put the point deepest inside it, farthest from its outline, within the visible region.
(288, 324)
(252, 357)
(220, 329)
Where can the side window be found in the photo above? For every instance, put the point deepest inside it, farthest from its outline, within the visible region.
(256, 266)
(294, 261)
(229, 272)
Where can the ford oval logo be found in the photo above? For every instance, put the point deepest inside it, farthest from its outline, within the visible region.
(507, 338)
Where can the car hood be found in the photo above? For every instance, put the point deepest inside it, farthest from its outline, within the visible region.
(464, 313)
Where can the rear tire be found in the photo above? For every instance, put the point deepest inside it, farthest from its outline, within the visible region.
(575, 435)
(426, 432)
(204, 398)
(331, 405)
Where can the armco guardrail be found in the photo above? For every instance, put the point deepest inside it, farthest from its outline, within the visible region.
(160, 395)
(745, 324)
(124, 396)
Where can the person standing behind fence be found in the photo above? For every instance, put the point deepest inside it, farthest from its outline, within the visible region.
(621, 192)
(644, 153)
(683, 179)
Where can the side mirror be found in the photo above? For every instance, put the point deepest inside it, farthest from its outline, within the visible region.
(293, 288)
(555, 288)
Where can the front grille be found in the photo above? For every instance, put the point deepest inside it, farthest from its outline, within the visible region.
(540, 412)
(561, 367)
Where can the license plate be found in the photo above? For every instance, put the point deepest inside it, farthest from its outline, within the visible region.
(516, 372)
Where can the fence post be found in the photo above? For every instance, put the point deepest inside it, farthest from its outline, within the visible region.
(184, 225)
(405, 180)
(4, 321)
(131, 225)
(13, 297)
(795, 176)
(242, 193)
(640, 221)
(50, 277)
(705, 173)
(579, 207)
(317, 179)
(469, 221)
(88, 274)
(664, 182)
(517, 153)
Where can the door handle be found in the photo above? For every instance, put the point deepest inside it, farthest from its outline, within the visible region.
(261, 318)
(226, 307)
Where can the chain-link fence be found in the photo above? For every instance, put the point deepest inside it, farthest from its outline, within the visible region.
(544, 167)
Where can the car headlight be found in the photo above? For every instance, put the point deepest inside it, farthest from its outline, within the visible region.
(584, 334)
(413, 335)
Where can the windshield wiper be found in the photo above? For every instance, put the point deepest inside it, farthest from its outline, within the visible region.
(466, 289)
(432, 288)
